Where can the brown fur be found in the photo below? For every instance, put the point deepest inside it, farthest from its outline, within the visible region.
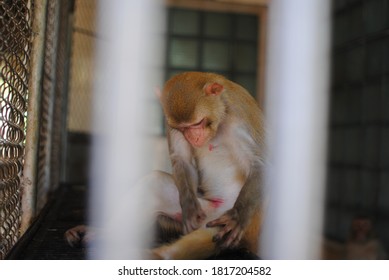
(167, 229)
(196, 245)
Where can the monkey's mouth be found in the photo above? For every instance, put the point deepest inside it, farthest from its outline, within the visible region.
(195, 134)
(195, 138)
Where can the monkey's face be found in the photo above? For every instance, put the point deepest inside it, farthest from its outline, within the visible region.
(193, 106)
(196, 116)
(198, 133)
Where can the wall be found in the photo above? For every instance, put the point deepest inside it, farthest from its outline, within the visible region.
(82, 66)
(79, 123)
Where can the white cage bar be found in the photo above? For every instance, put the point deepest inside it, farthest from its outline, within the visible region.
(126, 70)
(297, 97)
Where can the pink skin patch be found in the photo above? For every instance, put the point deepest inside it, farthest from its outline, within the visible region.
(177, 217)
(195, 134)
(216, 202)
(211, 147)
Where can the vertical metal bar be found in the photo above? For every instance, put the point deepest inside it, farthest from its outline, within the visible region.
(29, 178)
(297, 97)
(47, 105)
(59, 137)
(125, 79)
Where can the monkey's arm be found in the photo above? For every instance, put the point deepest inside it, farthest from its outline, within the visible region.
(192, 214)
(185, 177)
(236, 220)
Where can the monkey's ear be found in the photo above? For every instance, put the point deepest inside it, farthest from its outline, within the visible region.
(213, 89)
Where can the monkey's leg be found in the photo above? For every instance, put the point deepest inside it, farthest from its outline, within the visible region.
(166, 211)
(196, 245)
(162, 193)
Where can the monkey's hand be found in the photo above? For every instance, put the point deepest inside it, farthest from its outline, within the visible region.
(192, 215)
(231, 231)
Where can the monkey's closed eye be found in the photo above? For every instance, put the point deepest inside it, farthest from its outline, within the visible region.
(199, 123)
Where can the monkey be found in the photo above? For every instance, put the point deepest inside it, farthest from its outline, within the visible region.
(215, 133)
(213, 199)
(362, 244)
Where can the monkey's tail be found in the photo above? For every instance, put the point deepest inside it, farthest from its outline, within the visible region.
(167, 230)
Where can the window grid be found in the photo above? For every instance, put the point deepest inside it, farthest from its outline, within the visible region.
(241, 69)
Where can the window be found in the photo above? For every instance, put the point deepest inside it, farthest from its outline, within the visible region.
(223, 43)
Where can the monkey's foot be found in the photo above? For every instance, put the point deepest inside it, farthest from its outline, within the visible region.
(77, 236)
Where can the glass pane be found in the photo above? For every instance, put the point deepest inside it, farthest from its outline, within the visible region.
(247, 27)
(352, 145)
(184, 22)
(172, 73)
(245, 57)
(217, 25)
(385, 101)
(339, 66)
(374, 58)
(340, 101)
(371, 102)
(339, 4)
(215, 56)
(355, 64)
(375, 13)
(384, 154)
(383, 197)
(352, 107)
(385, 55)
(340, 31)
(336, 146)
(183, 53)
(351, 187)
(248, 82)
(355, 25)
(371, 153)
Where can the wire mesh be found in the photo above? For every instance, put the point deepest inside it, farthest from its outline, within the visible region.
(15, 47)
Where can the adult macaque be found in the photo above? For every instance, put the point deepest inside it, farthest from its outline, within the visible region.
(216, 143)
